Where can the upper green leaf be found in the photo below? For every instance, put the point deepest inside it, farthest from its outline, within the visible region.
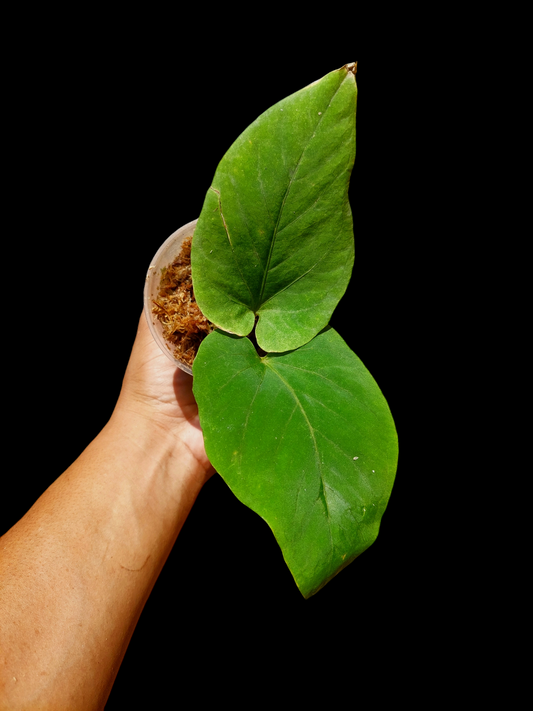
(306, 439)
(275, 235)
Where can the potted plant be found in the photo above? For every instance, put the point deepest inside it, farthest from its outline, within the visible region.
(292, 420)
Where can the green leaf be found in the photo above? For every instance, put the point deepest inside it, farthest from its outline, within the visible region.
(305, 439)
(275, 235)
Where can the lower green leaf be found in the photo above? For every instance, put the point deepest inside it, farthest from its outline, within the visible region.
(306, 439)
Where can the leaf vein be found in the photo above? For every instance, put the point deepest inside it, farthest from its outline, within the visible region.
(317, 456)
(245, 425)
(287, 191)
(230, 242)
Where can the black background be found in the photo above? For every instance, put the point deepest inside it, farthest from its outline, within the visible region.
(111, 150)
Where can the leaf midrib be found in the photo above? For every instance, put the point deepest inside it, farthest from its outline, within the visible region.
(293, 177)
(315, 445)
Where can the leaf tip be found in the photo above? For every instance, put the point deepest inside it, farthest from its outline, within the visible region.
(351, 67)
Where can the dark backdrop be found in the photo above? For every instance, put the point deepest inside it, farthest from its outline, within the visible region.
(110, 152)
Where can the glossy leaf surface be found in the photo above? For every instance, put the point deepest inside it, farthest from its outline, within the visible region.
(305, 439)
(275, 236)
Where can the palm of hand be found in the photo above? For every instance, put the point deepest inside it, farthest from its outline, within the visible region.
(158, 390)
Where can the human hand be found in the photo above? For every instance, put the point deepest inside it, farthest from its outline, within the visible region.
(77, 569)
(162, 394)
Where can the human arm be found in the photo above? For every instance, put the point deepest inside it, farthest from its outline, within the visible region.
(77, 569)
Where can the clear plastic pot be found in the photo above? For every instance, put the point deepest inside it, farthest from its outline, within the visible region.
(164, 256)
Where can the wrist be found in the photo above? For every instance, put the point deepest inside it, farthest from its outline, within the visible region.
(159, 446)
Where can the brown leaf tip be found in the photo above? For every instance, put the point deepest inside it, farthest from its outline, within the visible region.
(351, 67)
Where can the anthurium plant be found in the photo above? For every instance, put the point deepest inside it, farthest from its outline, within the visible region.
(292, 420)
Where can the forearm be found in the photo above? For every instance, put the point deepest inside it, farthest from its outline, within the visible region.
(77, 569)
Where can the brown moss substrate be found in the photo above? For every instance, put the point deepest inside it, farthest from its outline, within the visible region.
(184, 325)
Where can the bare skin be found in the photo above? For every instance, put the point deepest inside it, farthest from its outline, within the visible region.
(77, 569)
